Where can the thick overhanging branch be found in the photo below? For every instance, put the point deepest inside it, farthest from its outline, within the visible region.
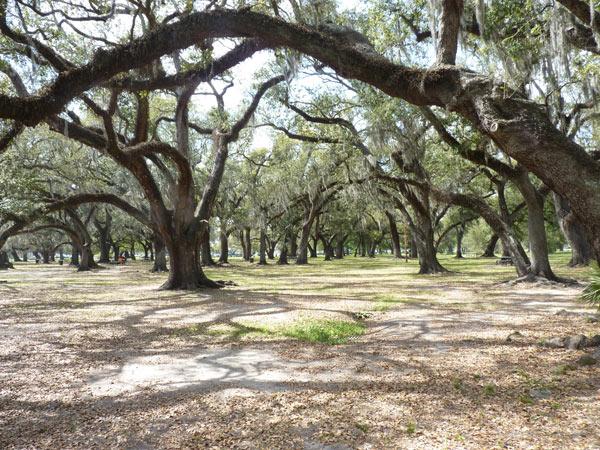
(302, 137)
(476, 156)
(7, 138)
(581, 10)
(154, 147)
(344, 57)
(20, 222)
(356, 139)
(245, 118)
(450, 27)
(206, 73)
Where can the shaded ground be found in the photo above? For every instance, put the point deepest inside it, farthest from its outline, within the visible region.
(103, 360)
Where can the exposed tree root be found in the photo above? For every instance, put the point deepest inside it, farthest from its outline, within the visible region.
(538, 279)
(200, 283)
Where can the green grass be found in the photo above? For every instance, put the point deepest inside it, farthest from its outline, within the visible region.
(332, 332)
(384, 302)
(329, 331)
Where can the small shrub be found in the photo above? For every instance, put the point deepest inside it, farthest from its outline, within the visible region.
(526, 399)
(411, 427)
(489, 389)
(591, 294)
(457, 384)
(362, 427)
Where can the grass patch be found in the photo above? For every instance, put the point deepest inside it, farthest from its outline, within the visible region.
(384, 302)
(330, 331)
(230, 331)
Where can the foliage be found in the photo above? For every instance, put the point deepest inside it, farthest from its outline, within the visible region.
(591, 293)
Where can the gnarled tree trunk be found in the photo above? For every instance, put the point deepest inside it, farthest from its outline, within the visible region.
(394, 235)
(224, 244)
(160, 255)
(572, 229)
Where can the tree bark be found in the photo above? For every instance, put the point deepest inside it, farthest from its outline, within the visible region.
(160, 255)
(271, 246)
(339, 246)
(184, 270)
(245, 255)
(490, 247)
(581, 251)
(460, 232)
(224, 243)
(205, 251)
(15, 255)
(132, 251)
(4, 261)
(86, 261)
(293, 246)
(538, 243)
(74, 254)
(248, 243)
(262, 250)
(394, 235)
(283, 253)
(104, 238)
(307, 222)
(425, 243)
(414, 249)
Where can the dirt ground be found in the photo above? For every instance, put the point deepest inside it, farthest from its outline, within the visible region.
(104, 360)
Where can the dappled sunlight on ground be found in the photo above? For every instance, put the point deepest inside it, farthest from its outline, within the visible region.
(104, 359)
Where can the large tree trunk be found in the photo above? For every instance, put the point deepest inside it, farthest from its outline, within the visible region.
(146, 250)
(46, 256)
(132, 251)
(104, 251)
(427, 254)
(414, 248)
(87, 258)
(160, 255)
(262, 250)
(538, 243)
(205, 251)
(271, 245)
(490, 247)
(245, 255)
(460, 232)
(4, 261)
(24, 256)
(15, 255)
(103, 240)
(283, 251)
(394, 235)
(116, 251)
(339, 246)
(248, 243)
(224, 243)
(184, 271)
(328, 251)
(293, 246)
(572, 229)
(74, 255)
(302, 257)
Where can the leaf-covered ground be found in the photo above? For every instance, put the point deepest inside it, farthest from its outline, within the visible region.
(103, 359)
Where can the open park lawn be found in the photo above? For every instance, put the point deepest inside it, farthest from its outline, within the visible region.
(357, 353)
